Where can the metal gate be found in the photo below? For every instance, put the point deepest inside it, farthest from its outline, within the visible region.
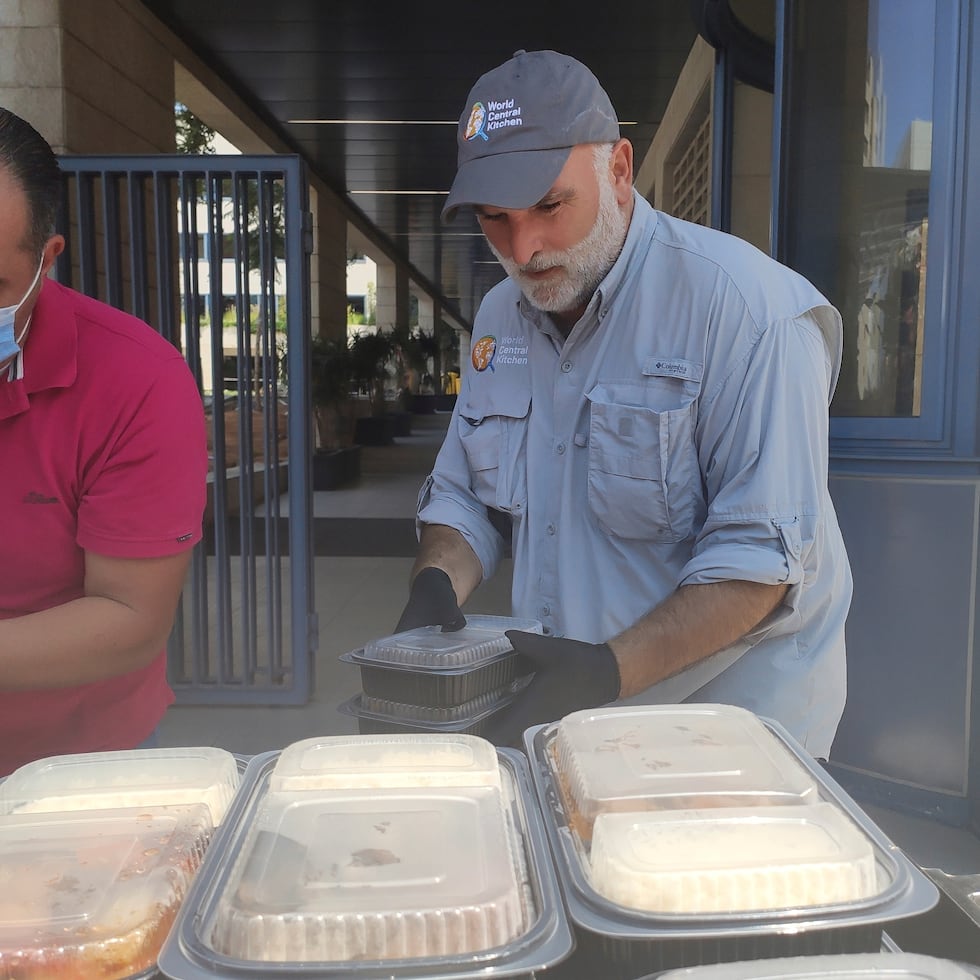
(213, 252)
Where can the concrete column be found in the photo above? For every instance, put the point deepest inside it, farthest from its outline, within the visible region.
(392, 294)
(328, 271)
(426, 313)
(85, 88)
(31, 73)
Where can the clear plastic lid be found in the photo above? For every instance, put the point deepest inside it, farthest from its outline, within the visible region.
(94, 894)
(842, 966)
(353, 876)
(732, 860)
(429, 648)
(671, 757)
(385, 762)
(138, 777)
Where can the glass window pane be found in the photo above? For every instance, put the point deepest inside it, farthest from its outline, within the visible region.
(858, 185)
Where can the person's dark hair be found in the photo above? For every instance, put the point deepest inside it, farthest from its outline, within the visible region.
(28, 158)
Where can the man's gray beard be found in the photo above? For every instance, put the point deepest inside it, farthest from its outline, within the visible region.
(583, 266)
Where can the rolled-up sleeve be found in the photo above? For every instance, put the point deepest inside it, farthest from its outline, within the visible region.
(762, 444)
(447, 498)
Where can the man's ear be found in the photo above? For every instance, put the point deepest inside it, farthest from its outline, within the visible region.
(54, 246)
(621, 166)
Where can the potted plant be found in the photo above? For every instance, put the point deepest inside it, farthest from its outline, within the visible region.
(337, 459)
(370, 354)
(410, 364)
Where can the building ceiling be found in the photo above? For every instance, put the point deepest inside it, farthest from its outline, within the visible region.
(389, 80)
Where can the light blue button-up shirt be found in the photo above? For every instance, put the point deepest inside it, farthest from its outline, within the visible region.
(678, 436)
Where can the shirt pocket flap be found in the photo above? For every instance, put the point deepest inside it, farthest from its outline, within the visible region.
(483, 419)
(477, 406)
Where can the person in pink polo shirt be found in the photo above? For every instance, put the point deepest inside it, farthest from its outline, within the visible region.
(102, 492)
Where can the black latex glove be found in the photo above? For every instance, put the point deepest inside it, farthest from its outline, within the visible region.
(568, 675)
(431, 602)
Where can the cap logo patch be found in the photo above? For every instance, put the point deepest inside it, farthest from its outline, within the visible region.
(483, 353)
(494, 115)
(477, 120)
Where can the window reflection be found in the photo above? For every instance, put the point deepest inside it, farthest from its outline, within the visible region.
(858, 176)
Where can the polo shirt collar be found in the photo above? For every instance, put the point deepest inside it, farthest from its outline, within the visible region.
(50, 355)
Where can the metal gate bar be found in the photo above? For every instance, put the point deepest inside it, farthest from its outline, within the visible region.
(206, 234)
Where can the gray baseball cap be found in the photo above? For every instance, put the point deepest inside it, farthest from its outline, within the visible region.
(518, 128)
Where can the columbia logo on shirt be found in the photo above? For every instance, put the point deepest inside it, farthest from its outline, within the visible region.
(33, 497)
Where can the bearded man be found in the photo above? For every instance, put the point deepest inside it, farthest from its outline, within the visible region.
(645, 422)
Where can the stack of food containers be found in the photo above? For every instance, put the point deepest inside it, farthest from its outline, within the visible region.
(96, 854)
(425, 679)
(415, 855)
(694, 834)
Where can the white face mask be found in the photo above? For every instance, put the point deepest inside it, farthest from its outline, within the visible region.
(9, 344)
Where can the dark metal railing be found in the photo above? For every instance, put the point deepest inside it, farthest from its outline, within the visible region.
(213, 252)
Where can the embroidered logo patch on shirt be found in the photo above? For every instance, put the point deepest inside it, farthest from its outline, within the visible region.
(672, 367)
(488, 352)
(483, 352)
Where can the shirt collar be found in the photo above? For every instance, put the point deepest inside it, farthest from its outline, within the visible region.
(643, 224)
(50, 355)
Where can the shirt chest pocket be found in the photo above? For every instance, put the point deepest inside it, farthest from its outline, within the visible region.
(494, 438)
(644, 481)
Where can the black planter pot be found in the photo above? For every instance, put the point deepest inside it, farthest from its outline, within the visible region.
(374, 430)
(334, 468)
(424, 404)
(401, 423)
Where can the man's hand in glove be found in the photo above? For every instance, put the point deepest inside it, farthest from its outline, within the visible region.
(431, 602)
(568, 675)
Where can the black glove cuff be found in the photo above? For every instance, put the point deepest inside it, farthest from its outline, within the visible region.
(607, 681)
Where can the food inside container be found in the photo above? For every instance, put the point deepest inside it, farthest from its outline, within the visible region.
(666, 757)
(737, 859)
(133, 778)
(391, 873)
(426, 666)
(398, 866)
(94, 894)
(347, 762)
(697, 833)
(382, 716)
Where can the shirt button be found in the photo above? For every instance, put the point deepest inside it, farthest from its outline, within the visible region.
(546, 630)
(566, 366)
(551, 528)
(560, 449)
(602, 313)
(546, 610)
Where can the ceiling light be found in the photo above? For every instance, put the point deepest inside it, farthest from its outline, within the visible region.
(397, 192)
(391, 122)
(373, 122)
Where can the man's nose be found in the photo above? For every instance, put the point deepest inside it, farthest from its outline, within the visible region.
(525, 240)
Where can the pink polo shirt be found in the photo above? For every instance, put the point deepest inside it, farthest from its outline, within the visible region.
(104, 450)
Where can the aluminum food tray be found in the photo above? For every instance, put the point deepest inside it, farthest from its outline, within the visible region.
(380, 716)
(433, 687)
(432, 668)
(547, 941)
(619, 943)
